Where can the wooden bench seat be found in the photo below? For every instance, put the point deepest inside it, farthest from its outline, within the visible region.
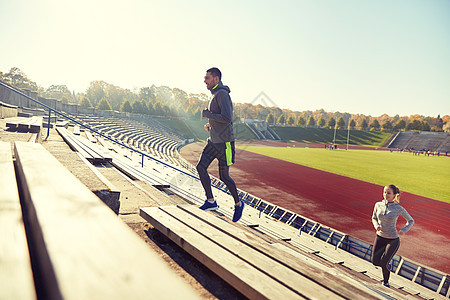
(136, 173)
(86, 149)
(90, 137)
(64, 124)
(16, 277)
(12, 123)
(31, 124)
(76, 130)
(81, 249)
(35, 125)
(121, 160)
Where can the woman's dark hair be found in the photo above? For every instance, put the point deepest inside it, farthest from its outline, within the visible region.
(215, 72)
(396, 192)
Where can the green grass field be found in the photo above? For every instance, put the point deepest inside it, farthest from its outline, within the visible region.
(194, 129)
(326, 135)
(426, 176)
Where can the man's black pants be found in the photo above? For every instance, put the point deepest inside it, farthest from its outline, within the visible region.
(224, 153)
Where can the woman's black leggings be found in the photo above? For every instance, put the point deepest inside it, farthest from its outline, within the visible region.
(382, 253)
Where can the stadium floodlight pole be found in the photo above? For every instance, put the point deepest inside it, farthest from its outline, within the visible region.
(348, 131)
(334, 137)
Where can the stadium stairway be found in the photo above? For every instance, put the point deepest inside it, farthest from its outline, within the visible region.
(134, 134)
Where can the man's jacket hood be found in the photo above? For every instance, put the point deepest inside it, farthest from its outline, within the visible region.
(219, 87)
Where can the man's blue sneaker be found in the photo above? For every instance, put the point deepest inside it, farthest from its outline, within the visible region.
(209, 206)
(238, 212)
(386, 284)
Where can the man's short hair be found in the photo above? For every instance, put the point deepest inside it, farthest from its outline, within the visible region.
(215, 72)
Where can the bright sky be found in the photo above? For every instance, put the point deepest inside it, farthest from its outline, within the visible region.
(369, 57)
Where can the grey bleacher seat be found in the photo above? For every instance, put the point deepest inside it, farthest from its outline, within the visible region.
(445, 145)
(419, 141)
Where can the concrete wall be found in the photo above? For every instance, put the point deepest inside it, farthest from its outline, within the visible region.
(9, 97)
(24, 104)
(7, 110)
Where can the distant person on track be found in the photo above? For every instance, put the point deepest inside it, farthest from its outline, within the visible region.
(384, 219)
(220, 144)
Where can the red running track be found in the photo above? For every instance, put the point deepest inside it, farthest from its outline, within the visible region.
(340, 202)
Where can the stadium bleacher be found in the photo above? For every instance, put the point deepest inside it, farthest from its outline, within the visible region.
(421, 141)
(320, 249)
(445, 146)
(142, 136)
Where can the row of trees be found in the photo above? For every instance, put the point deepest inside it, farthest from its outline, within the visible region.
(362, 124)
(173, 102)
(159, 101)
